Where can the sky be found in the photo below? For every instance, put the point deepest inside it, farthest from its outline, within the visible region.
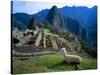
(32, 7)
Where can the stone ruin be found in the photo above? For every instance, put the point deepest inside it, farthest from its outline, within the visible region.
(36, 40)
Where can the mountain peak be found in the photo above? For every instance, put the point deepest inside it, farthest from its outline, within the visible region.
(54, 8)
(54, 17)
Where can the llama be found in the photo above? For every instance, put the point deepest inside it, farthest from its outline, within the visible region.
(71, 59)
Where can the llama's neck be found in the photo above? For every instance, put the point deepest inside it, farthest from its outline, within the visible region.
(64, 51)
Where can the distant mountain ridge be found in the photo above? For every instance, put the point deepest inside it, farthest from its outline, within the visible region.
(84, 15)
(20, 20)
(66, 18)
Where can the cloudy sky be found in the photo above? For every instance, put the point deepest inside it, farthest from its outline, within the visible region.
(32, 7)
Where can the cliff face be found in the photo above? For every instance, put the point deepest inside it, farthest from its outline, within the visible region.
(54, 17)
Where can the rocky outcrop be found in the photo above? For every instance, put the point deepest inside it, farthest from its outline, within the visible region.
(55, 18)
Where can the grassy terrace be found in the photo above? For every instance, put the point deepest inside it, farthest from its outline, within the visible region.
(47, 32)
(48, 63)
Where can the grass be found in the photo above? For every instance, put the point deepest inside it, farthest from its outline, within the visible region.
(48, 63)
(89, 64)
(47, 32)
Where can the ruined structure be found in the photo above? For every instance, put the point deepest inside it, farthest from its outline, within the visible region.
(30, 41)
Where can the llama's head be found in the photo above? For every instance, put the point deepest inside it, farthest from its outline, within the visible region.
(64, 50)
